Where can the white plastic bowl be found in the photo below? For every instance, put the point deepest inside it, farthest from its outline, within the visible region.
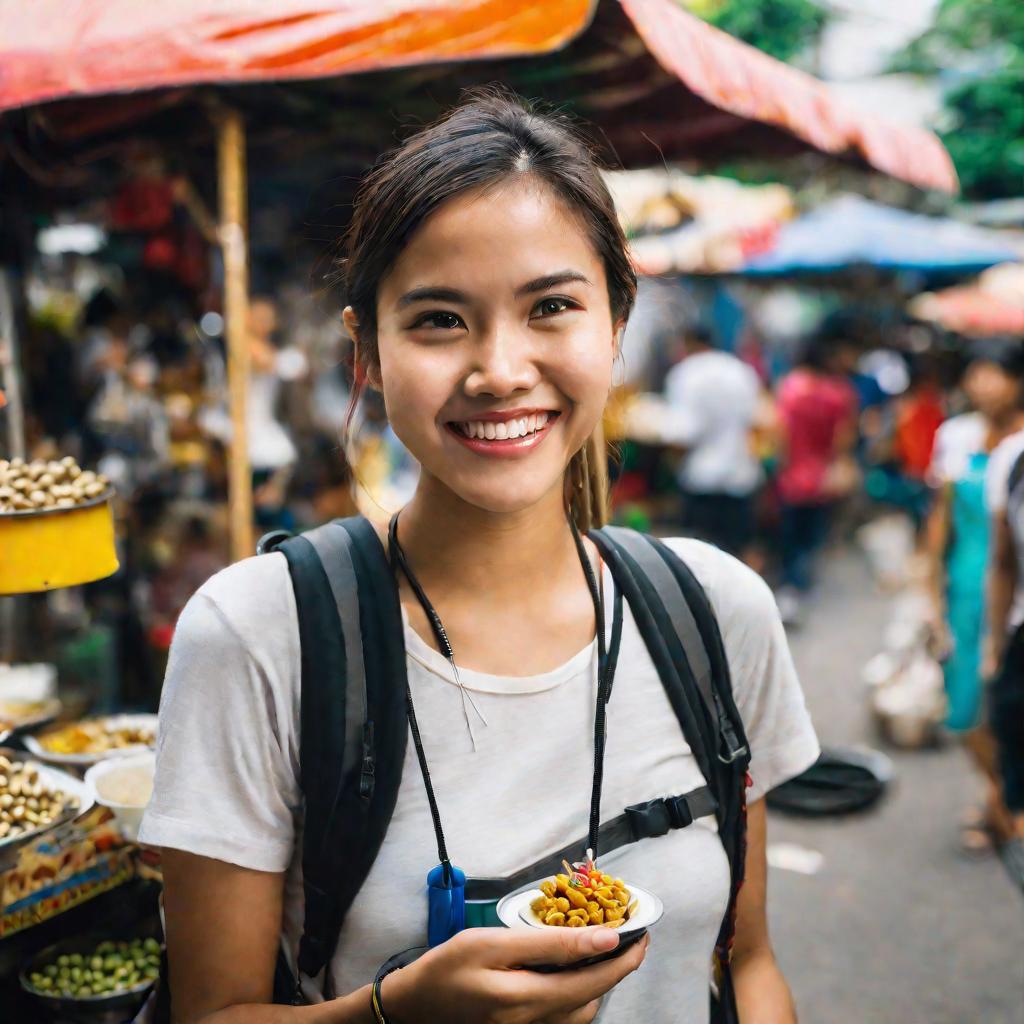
(128, 816)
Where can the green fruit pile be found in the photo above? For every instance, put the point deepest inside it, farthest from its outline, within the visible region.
(111, 968)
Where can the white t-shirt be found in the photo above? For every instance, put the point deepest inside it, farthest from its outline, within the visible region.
(713, 396)
(956, 441)
(997, 496)
(228, 768)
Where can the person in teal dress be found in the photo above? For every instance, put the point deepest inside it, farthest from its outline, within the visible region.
(966, 559)
(958, 542)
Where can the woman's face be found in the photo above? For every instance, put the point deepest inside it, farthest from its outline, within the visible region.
(990, 389)
(496, 344)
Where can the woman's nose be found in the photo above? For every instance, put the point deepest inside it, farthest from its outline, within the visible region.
(502, 365)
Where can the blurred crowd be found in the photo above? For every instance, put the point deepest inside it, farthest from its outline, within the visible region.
(764, 468)
(766, 457)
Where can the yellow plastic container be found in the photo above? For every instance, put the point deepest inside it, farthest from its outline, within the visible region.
(55, 548)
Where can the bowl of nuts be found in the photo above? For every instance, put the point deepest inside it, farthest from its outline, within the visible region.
(35, 797)
(56, 525)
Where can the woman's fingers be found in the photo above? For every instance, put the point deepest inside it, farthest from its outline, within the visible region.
(557, 946)
(568, 990)
(584, 1015)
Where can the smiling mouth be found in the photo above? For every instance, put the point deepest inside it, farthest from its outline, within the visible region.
(503, 430)
(507, 435)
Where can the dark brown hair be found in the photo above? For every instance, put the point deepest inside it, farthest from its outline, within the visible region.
(492, 136)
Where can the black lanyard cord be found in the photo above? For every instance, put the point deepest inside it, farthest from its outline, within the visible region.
(605, 670)
(398, 561)
(603, 685)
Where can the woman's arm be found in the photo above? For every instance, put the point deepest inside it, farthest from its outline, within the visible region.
(223, 926)
(936, 542)
(1002, 581)
(762, 995)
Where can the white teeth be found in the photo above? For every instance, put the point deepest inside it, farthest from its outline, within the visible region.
(506, 431)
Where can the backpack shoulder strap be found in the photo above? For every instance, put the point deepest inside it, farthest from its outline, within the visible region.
(680, 631)
(353, 717)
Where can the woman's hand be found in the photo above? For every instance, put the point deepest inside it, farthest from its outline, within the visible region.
(482, 976)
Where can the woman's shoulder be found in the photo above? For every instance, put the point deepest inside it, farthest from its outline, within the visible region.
(739, 596)
(251, 599)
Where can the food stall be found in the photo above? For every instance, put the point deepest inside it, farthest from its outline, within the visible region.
(65, 841)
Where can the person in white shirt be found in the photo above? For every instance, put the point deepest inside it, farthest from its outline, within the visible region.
(488, 282)
(714, 400)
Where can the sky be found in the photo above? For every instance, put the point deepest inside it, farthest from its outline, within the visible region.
(857, 44)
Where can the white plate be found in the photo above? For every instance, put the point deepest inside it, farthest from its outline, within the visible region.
(514, 911)
(85, 760)
(53, 779)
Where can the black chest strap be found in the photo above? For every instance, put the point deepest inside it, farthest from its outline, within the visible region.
(648, 820)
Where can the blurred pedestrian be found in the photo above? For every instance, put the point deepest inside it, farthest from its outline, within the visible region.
(958, 544)
(714, 401)
(272, 452)
(817, 409)
(1004, 661)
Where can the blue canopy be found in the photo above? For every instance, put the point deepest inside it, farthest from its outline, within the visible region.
(851, 231)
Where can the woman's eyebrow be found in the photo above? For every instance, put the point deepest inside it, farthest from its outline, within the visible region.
(431, 294)
(542, 284)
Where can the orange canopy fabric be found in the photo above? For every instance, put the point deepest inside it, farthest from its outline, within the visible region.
(54, 49)
(64, 49)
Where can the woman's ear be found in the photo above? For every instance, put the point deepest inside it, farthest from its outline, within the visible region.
(370, 367)
(618, 329)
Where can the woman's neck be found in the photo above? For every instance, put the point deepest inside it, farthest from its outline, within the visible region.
(502, 554)
(1001, 426)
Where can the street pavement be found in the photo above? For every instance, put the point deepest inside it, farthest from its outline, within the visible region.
(896, 927)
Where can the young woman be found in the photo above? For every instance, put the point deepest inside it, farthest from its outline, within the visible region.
(488, 285)
(957, 538)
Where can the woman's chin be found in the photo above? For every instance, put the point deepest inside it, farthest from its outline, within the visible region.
(505, 500)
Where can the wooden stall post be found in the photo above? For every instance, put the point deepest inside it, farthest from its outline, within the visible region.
(10, 380)
(232, 229)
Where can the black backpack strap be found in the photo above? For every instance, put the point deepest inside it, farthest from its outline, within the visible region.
(353, 718)
(648, 820)
(680, 630)
(665, 647)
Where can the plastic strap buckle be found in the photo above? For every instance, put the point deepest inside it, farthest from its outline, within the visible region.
(649, 820)
(679, 812)
(734, 750)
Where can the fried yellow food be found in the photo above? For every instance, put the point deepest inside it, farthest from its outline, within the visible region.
(95, 738)
(584, 897)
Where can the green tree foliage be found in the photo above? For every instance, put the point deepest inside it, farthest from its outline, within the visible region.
(782, 28)
(983, 40)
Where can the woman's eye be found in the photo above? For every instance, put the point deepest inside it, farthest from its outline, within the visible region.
(553, 306)
(439, 320)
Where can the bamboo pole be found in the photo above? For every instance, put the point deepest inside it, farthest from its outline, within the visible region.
(10, 377)
(232, 230)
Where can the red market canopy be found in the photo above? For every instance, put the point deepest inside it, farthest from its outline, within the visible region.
(655, 79)
(992, 304)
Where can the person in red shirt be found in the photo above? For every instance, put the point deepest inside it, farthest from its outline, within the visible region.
(919, 414)
(817, 410)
